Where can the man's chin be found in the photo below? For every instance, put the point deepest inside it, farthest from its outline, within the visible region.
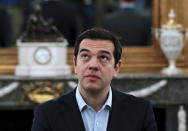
(92, 88)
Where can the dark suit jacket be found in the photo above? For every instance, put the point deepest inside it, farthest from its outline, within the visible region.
(128, 113)
(130, 25)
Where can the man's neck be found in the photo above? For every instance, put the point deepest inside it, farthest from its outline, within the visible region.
(95, 99)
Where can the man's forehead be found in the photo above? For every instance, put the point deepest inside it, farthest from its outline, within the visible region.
(99, 45)
(98, 52)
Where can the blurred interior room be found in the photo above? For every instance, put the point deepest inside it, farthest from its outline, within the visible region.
(37, 40)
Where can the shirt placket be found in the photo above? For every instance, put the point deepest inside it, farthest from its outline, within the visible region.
(98, 122)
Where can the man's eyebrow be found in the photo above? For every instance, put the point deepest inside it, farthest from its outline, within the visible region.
(102, 51)
(105, 52)
(84, 50)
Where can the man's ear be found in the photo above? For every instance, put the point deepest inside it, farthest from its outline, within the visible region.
(74, 61)
(117, 68)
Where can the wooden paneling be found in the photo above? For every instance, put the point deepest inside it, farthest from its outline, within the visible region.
(134, 60)
(8, 61)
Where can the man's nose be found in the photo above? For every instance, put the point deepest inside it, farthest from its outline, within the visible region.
(94, 64)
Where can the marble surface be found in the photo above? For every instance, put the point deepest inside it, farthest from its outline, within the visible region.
(175, 92)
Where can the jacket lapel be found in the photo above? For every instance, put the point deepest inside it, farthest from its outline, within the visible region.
(72, 113)
(117, 120)
(114, 114)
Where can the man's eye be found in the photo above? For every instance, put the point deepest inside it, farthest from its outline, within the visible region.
(104, 58)
(84, 56)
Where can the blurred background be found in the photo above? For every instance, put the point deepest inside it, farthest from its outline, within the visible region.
(70, 16)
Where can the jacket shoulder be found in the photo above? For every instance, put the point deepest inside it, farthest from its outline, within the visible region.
(55, 104)
(130, 99)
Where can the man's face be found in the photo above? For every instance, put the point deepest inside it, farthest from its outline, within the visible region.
(94, 64)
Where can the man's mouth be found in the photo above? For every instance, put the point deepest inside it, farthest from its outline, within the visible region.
(92, 77)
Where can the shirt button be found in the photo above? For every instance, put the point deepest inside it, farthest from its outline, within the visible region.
(98, 124)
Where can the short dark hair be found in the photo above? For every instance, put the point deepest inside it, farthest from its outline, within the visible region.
(100, 34)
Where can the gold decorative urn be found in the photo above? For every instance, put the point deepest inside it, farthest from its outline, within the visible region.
(172, 41)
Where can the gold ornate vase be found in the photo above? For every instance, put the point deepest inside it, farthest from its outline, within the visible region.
(171, 42)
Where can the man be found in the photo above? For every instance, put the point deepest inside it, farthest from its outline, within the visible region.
(94, 105)
(132, 26)
(85, 11)
(63, 16)
(5, 28)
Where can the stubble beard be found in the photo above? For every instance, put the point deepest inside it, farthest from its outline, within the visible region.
(92, 89)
